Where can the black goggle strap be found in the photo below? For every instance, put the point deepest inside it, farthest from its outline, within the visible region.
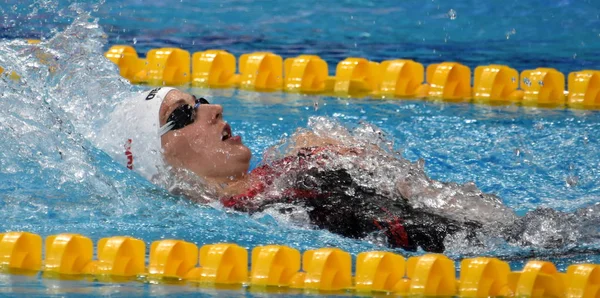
(181, 116)
(200, 101)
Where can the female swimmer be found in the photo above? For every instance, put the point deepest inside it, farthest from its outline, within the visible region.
(168, 129)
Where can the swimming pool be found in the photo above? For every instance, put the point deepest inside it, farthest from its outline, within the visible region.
(54, 179)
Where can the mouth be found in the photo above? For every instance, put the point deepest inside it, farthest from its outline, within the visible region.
(226, 133)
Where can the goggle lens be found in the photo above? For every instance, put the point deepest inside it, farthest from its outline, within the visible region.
(182, 116)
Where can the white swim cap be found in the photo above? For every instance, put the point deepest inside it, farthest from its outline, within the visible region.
(131, 135)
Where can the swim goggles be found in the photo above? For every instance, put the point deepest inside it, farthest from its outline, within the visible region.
(182, 116)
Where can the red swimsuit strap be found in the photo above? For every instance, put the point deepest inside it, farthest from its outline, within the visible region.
(266, 174)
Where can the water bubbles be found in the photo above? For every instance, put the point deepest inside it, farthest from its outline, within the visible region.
(510, 33)
(33, 13)
(547, 228)
(452, 14)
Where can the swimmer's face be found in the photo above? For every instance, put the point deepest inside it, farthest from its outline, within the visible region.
(206, 147)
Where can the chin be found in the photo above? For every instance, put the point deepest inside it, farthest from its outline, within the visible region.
(245, 160)
(243, 153)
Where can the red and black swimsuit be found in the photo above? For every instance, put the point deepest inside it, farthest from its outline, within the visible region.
(337, 203)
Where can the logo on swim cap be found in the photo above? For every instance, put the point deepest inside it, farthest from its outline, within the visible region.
(128, 154)
(152, 93)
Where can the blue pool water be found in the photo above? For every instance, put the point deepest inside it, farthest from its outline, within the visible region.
(53, 177)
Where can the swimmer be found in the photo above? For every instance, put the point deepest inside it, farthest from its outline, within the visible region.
(169, 131)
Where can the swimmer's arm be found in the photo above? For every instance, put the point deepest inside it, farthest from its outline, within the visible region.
(305, 140)
(311, 140)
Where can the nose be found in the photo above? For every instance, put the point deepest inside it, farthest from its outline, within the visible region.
(211, 113)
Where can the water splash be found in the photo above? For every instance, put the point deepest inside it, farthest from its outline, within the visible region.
(380, 168)
(49, 116)
(53, 177)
